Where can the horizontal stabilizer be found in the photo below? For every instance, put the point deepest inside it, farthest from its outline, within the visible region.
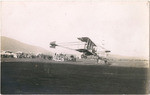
(52, 46)
(107, 51)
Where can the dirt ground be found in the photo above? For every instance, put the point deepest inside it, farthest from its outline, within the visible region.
(49, 77)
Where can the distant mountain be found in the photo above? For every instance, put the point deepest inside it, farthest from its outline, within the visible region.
(15, 46)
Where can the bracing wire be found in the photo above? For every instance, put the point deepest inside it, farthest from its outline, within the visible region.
(72, 44)
(69, 42)
(66, 47)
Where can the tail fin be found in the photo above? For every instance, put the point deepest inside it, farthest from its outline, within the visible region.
(53, 44)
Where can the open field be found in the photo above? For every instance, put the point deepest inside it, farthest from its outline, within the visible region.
(45, 77)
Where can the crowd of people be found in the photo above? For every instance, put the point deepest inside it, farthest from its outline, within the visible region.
(64, 57)
(9, 54)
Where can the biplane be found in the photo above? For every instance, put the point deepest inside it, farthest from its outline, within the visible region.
(88, 47)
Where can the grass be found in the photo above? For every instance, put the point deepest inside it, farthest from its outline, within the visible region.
(57, 78)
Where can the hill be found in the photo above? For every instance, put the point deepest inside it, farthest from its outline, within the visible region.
(15, 46)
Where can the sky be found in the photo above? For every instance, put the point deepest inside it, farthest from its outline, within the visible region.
(123, 26)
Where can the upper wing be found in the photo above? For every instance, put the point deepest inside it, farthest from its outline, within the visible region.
(87, 40)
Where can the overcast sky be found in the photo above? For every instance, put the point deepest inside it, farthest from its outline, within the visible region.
(124, 26)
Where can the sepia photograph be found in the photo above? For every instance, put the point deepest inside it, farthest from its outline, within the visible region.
(75, 47)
